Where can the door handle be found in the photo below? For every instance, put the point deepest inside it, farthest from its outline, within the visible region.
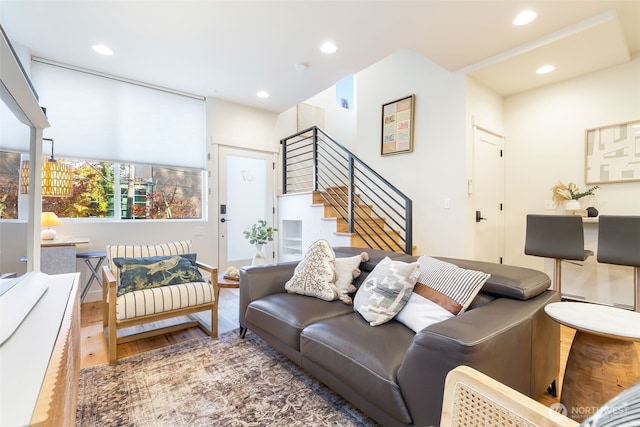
(224, 220)
(479, 216)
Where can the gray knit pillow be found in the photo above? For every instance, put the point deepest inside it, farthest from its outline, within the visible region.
(385, 291)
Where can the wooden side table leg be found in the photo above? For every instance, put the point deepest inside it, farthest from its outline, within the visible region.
(598, 368)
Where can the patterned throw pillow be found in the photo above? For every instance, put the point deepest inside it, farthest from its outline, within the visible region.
(156, 271)
(314, 276)
(385, 290)
(443, 291)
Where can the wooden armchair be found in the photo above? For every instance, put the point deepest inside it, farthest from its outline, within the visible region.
(150, 283)
(473, 399)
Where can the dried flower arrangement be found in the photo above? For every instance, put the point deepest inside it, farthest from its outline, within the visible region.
(561, 192)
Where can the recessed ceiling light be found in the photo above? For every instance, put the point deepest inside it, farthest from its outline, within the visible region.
(524, 17)
(545, 69)
(328, 47)
(102, 49)
(262, 94)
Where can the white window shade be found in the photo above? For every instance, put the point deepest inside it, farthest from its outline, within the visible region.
(101, 118)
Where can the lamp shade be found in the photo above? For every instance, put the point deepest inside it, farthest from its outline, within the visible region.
(57, 178)
(49, 219)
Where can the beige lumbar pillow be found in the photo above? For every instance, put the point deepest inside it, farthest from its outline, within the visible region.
(348, 269)
(315, 275)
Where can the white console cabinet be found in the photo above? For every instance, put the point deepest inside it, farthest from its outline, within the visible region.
(40, 362)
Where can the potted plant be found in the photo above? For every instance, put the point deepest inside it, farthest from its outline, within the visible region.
(259, 234)
(570, 193)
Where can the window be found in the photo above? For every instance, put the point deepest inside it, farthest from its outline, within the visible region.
(145, 192)
(9, 180)
(345, 93)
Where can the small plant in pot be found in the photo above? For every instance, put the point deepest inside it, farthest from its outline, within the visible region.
(259, 234)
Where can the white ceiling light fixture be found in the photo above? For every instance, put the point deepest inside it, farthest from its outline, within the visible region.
(525, 17)
(328, 47)
(545, 69)
(262, 94)
(102, 49)
(300, 66)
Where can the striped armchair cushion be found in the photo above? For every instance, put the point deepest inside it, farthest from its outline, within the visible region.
(157, 300)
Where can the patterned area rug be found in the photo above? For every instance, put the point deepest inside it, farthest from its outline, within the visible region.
(203, 382)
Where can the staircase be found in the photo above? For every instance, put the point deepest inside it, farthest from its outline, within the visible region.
(367, 225)
(372, 211)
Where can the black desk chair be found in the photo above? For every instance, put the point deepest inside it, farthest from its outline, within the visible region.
(560, 237)
(619, 243)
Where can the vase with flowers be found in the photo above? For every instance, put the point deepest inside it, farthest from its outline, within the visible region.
(259, 234)
(570, 194)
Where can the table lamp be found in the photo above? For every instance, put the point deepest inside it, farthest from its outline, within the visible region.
(49, 219)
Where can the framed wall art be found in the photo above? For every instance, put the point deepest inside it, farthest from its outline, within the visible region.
(397, 126)
(612, 153)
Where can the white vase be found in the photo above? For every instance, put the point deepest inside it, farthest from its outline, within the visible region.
(258, 258)
(572, 205)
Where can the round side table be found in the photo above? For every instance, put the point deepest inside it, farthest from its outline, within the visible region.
(603, 360)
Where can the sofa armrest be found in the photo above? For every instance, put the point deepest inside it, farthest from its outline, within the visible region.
(259, 281)
(495, 339)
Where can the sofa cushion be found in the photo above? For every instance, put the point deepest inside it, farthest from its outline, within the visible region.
(385, 291)
(285, 315)
(152, 272)
(507, 281)
(366, 359)
(315, 275)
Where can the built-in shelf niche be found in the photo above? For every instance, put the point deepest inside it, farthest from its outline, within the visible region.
(292, 237)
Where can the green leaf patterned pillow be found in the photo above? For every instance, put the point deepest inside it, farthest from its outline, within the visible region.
(156, 271)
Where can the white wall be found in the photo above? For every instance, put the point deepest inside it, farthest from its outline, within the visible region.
(435, 170)
(546, 143)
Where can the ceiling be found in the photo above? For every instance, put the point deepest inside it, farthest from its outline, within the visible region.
(232, 49)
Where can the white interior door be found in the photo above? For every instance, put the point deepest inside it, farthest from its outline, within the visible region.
(245, 195)
(488, 195)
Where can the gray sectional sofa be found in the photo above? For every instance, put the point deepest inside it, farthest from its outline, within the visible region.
(391, 373)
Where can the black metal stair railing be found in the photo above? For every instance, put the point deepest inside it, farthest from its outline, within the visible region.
(373, 209)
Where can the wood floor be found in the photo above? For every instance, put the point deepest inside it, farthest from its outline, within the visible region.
(93, 345)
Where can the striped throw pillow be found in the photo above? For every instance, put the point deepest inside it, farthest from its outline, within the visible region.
(449, 286)
(443, 290)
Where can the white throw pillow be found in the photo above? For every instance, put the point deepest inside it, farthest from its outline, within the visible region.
(385, 291)
(420, 312)
(348, 269)
(314, 276)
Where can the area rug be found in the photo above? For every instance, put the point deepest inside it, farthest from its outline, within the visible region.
(202, 382)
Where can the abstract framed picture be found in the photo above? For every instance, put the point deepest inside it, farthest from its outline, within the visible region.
(612, 153)
(397, 126)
